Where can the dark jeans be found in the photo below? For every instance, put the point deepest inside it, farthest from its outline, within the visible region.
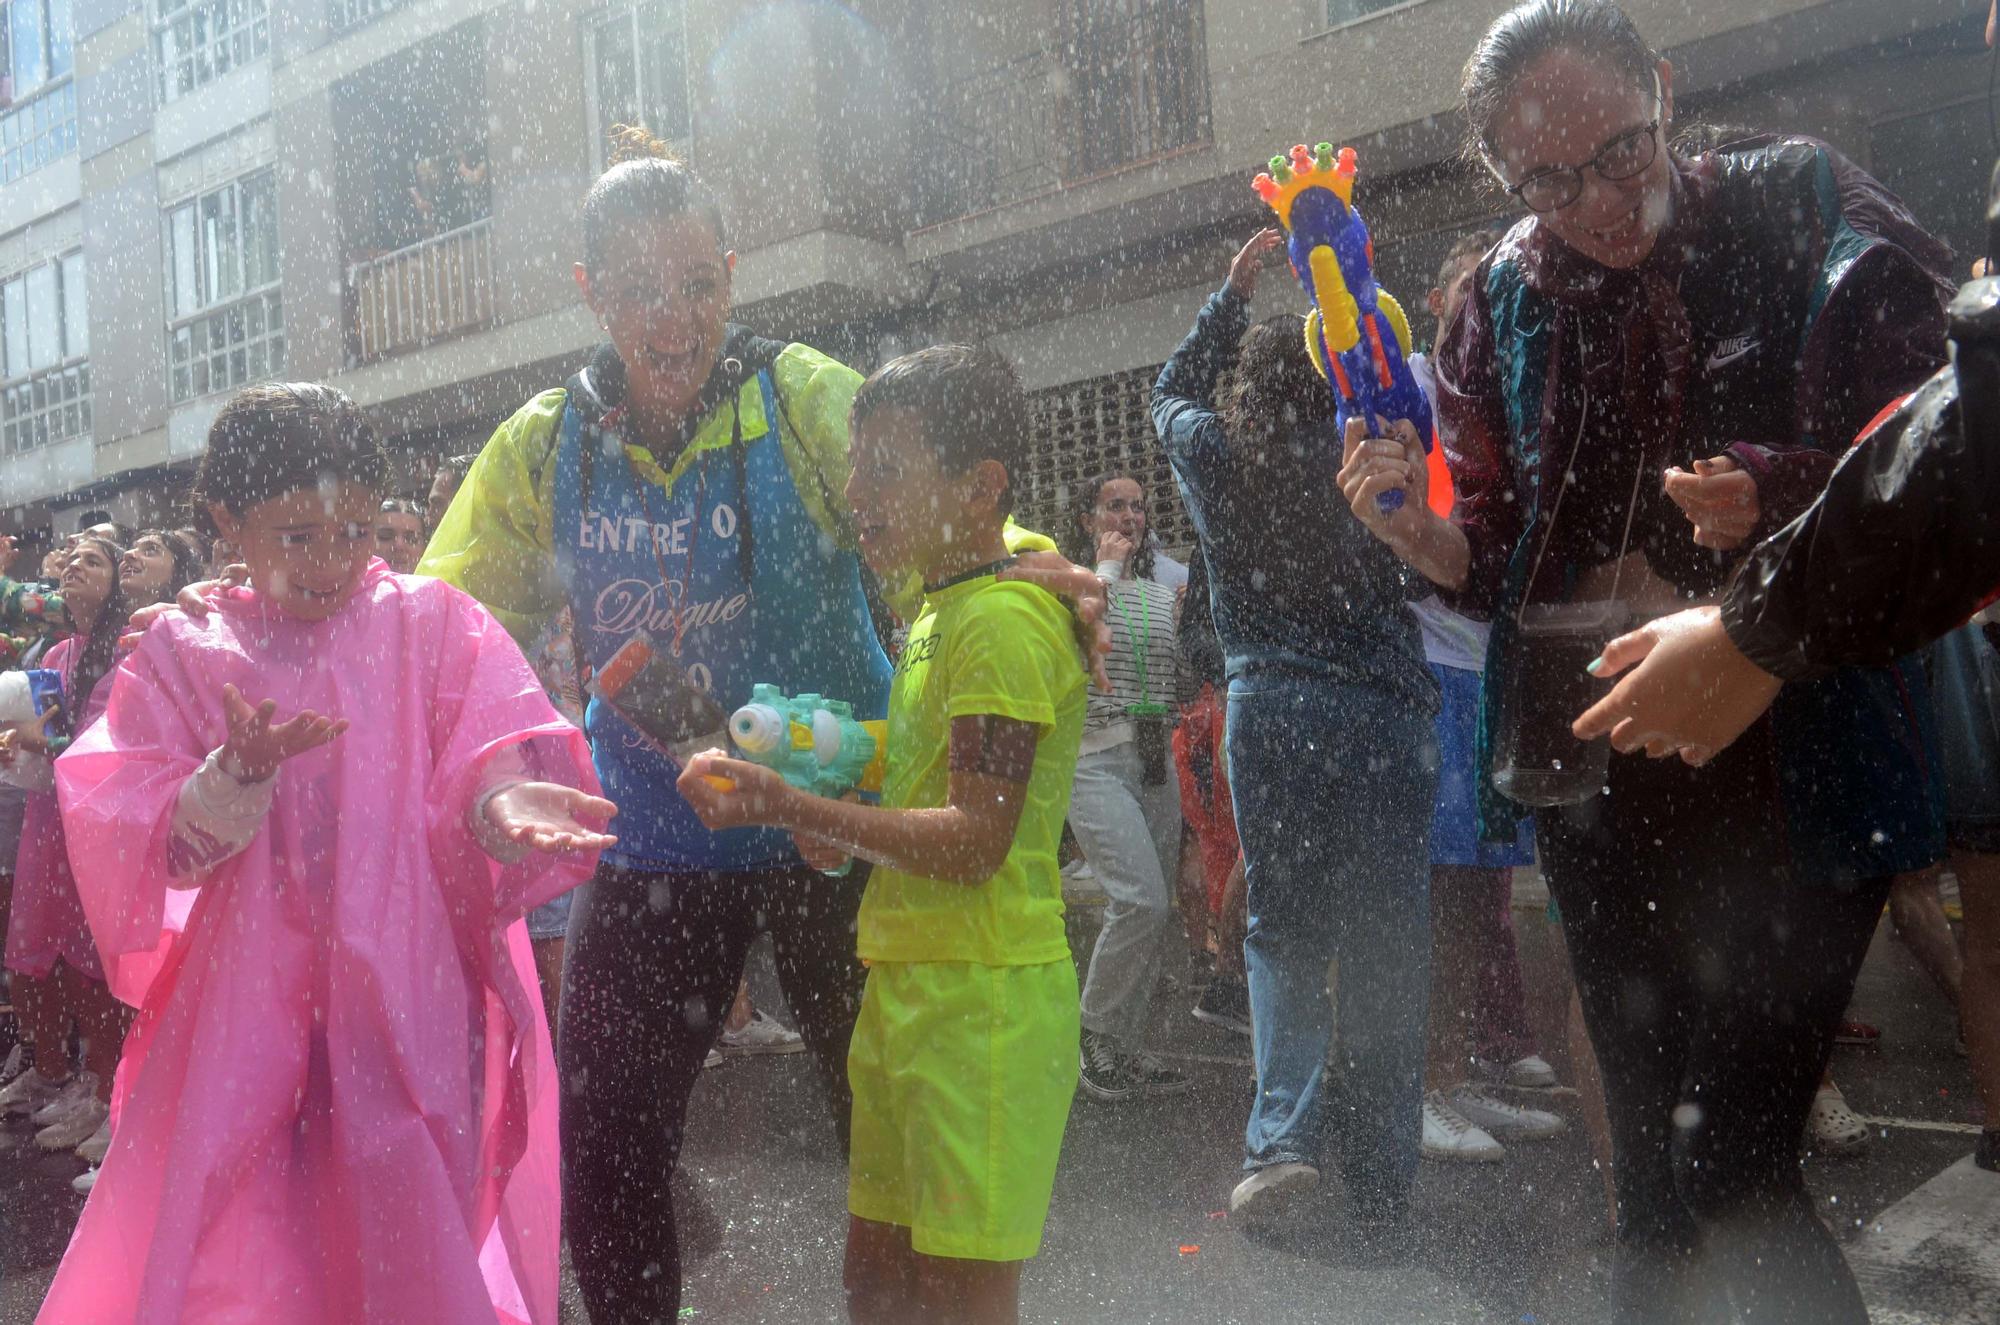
(1712, 980)
(651, 966)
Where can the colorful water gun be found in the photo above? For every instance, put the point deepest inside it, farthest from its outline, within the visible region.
(816, 744)
(1357, 333)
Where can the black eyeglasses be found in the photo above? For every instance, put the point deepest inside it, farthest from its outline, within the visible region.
(1623, 157)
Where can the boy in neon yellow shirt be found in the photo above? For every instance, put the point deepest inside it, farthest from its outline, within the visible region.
(964, 1058)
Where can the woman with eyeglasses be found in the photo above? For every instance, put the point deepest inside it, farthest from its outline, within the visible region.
(1657, 366)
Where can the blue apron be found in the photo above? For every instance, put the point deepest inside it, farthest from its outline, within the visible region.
(802, 623)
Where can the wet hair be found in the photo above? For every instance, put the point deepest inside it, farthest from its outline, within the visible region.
(458, 466)
(1597, 29)
(188, 558)
(970, 399)
(99, 651)
(645, 181)
(1275, 387)
(1081, 548)
(279, 437)
(1474, 245)
(402, 506)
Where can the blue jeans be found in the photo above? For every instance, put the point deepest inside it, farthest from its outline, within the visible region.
(1334, 786)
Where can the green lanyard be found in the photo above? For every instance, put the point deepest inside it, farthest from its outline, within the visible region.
(1145, 708)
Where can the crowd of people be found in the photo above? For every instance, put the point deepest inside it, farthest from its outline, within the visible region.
(336, 787)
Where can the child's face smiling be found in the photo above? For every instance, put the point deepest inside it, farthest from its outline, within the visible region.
(903, 506)
(307, 549)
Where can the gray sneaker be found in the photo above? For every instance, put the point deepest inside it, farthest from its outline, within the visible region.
(1272, 1190)
(1154, 1077)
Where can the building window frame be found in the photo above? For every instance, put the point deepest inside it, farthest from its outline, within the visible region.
(196, 42)
(223, 273)
(601, 25)
(37, 102)
(45, 396)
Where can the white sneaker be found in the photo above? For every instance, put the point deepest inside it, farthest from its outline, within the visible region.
(83, 1182)
(714, 1059)
(16, 1064)
(80, 1086)
(97, 1145)
(761, 1035)
(75, 1127)
(27, 1093)
(1272, 1190)
(1832, 1128)
(1501, 1119)
(1447, 1135)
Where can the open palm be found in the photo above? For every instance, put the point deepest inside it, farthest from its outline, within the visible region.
(547, 816)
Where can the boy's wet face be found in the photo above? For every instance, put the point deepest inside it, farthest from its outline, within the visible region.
(308, 548)
(904, 506)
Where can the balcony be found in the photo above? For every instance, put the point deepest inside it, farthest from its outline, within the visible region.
(50, 406)
(435, 288)
(1125, 82)
(38, 130)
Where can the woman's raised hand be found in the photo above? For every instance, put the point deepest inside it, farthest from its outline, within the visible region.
(1248, 263)
(256, 745)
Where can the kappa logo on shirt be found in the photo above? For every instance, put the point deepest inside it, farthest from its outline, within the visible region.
(922, 651)
(1732, 348)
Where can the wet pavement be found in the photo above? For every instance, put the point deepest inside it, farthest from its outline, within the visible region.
(1138, 1231)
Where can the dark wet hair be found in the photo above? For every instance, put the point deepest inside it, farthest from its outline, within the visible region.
(279, 437)
(188, 557)
(646, 181)
(458, 466)
(401, 506)
(1080, 548)
(1474, 245)
(99, 651)
(1524, 34)
(1275, 387)
(970, 400)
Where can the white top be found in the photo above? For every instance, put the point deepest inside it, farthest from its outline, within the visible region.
(1451, 639)
(1140, 611)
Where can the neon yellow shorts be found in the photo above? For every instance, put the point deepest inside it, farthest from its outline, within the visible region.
(963, 1077)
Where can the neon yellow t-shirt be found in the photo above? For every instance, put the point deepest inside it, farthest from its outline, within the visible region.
(981, 647)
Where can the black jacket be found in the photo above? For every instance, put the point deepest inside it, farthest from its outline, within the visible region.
(1904, 544)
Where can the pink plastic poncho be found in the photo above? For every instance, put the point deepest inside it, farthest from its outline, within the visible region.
(45, 920)
(338, 1104)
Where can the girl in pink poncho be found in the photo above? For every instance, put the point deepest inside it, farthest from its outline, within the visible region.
(337, 1105)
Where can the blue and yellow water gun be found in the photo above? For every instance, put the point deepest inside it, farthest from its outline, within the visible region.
(1357, 332)
(816, 744)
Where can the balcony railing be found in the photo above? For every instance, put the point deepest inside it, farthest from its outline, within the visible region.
(38, 130)
(345, 14)
(1126, 82)
(418, 294)
(50, 406)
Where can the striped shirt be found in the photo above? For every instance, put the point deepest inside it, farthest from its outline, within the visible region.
(1141, 617)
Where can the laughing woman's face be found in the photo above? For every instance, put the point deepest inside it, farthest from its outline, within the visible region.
(1568, 110)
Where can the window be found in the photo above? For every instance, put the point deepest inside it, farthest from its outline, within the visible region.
(37, 96)
(222, 272)
(44, 344)
(198, 41)
(638, 72)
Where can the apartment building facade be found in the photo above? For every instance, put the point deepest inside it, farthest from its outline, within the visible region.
(384, 194)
